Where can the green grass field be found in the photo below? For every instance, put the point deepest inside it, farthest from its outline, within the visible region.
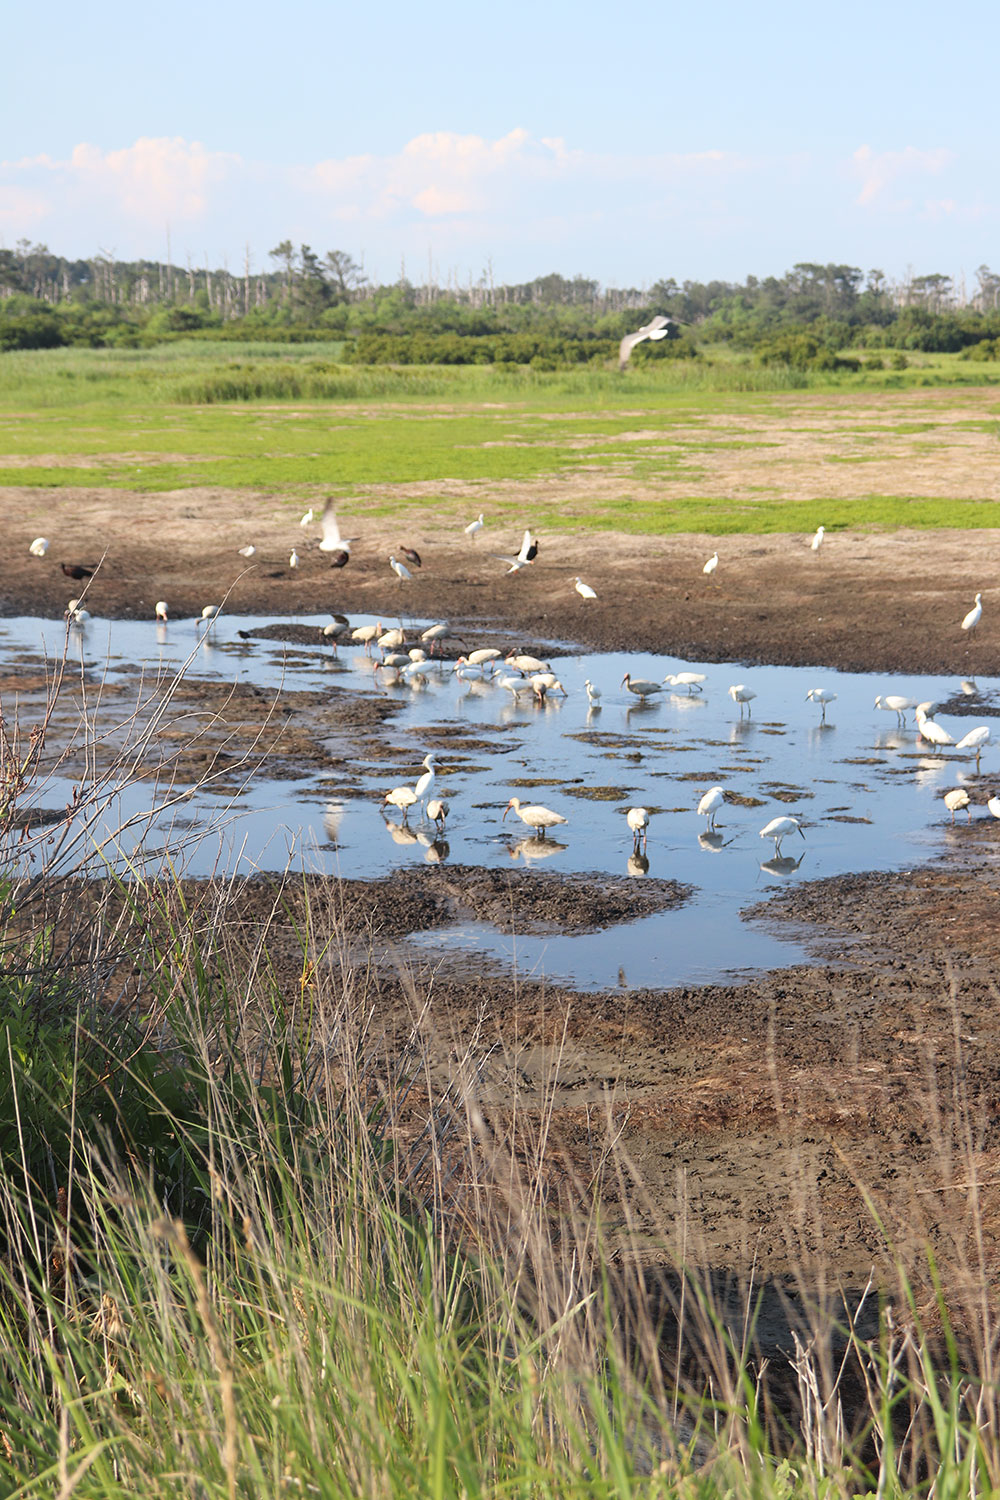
(654, 450)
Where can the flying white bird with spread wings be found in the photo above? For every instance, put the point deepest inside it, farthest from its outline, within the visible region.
(332, 541)
(529, 549)
(656, 328)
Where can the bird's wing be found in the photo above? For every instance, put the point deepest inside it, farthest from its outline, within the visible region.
(332, 539)
(515, 562)
(626, 346)
(525, 546)
(650, 328)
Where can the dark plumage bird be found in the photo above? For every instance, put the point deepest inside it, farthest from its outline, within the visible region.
(531, 551)
(77, 571)
(411, 555)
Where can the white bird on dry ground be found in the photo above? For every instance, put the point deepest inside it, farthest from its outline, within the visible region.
(975, 614)
(293, 560)
(690, 680)
(584, 589)
(657, 328)
(955, 800)
(778, 829)
(437, 811)
(637, 819)
(641, 686)
(817, 540)
(741, 694)
(332, 541)
(709, 805)
(427, 780)
(822, 696)
(974, 740)
(365, 634)
(593, 693)
(162, 610)
(402, 797)
(538, 818)
(993, 804)
(526, 555)
(474, 528)
(248, 551)
(401, 571)
(895, 704)
(39, 546)
(308, 518)
(712, 564)
(931, 731)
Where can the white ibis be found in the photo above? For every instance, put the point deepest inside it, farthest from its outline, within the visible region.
(248, 551)
(483, 656)
(401, 571)
(335, 630)
(417, 653)
(388, 640)
(365, 634)
(39, 546)
(657, 328)
(584, 589)
(931, 731)
(435, 634)
(741, 694)
(474, 528)
(817, 540)
(711, 565)
(161, 610)
(974, 740)
(637, 819)
(975, 614)
(402, 797)
(437, 811)
(709, 805)
(593, 693)
(822, 696)
(690, 680)
(210, 614)
(993, 803)
(537, 818)
(641, 686)
(895, 704)
(955, 800)
(523, 663)
(308, 518)
(778, 829)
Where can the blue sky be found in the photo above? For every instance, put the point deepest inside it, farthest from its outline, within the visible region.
(626, 143)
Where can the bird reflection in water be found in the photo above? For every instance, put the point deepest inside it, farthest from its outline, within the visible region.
(712, 841)
(333, 816)
(637, 864)
(782, 864)
(436, 850)
(535, 847)
(400, 833)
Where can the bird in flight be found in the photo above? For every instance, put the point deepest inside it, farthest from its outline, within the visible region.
(527, 554)
(332, 540)
(656, 328)
(76, 571)
(412, 556)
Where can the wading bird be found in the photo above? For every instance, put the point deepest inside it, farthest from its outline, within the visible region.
(75, 614)
(584, 589)
(709, 805)
(435, 634)
(955, 800)
(822, 696)
(741, 694)
(293, 559)
(929, 730)
(817, 540)
(527, 554)
(402, 797)
(76, 571)
(975, 614)
(210, 613)
(308, 518)
(690, 680)
(538, 818)
(637, 819)
(974, 740)
(593, 693)
(39, 546)
(655, 329)
(365, 634)
(437, 811)
(162, 612)
(248, 551)
(993, 804)
(641, 686)
(894, 704)
(412, 556)
(474, 528)
(711, 565)
(521, 662)
(778, 829)
(427, 780)
(401, 571)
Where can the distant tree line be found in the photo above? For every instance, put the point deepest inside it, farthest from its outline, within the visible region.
(806, 318)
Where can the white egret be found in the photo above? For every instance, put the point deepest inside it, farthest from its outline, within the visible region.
(593, 693)
(690, 680)
(293, 559)
(741, 694)
(955, 800)
(401, 571)
(709, 805)
(817, 540)
(893, 703)
(584, 589)
(39, 546)
(993, 804)
(931, 731)
(161, 610)
(822, 696)
(538, 818)
(308, 518)
(637, 819)
(365, 634)
(778, 829)
(427, 780)
(975, 614)
(248, 551)
(474, 528)
(641, 686)
(711, 565)
(974, 740)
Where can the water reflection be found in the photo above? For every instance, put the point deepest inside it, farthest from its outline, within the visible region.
(782, 864)
(712, 841)
(535, 847)
(637, 864)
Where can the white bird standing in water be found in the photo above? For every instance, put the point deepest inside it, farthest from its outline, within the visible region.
(593, 693)
(955, 800)
(993, 804)
(931, 731)
(778, 829)
(584, 589)
(427, 780)
(974, 740)
(709, 805)
(641, 686)
(741, 694)
(711, 565)
(637, 819)
(437, 811)
(538, 818)
(162, 611)
(690, 680)
(822, 696)
(817, 540)
(39, 546)
(975, 614)
(210, 614)
(894, 704)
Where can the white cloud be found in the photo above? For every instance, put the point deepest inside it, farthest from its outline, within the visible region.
(881, 170)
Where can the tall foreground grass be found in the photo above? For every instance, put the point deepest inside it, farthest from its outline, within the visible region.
(254, 1242)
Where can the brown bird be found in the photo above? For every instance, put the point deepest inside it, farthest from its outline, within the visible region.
(411, 555)
(75, 570)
